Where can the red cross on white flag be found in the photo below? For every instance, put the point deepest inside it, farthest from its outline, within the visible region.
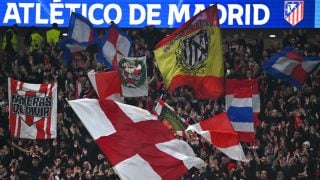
(135, 142)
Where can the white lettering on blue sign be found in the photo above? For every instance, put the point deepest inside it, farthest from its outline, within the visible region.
(137, 14)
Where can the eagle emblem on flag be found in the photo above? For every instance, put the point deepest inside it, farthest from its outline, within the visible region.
(293, 11)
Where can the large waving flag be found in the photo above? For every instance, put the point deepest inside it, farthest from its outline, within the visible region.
(81, 34)
(169, 117)
(218, 131)
(115, 43)
(192, 55)
(137, 145)
(233, 85)
(32, 110)
(106, 84)
(290, 66)
(240, 113)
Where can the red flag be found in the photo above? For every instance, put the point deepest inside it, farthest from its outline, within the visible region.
(106, 84)
(218, 131)
(135, 142)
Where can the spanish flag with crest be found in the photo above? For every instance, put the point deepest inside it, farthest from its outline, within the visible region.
(192, 56)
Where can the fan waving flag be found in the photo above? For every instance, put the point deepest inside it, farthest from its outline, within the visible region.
(136, 144)
(106, 84)
(32, 110)
(192, 55)
(115, 43)
(169, 117)
(81, 34)
(291, 67)
(240, 113)
(218, 131)
(233, 85)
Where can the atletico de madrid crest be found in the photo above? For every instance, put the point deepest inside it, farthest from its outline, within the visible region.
(293, 11)
(193, 53)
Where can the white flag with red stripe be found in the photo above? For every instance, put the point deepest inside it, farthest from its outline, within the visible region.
(135, 142)
(218, 131)
(32, 110)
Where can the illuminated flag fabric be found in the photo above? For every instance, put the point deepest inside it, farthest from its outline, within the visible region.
(192, 56)
(135, 142)
(32, 110)
(293, 11)
(218, 131)
(240, 113)
(231, 87)
(81, 34)
(115, 43)
(106, 84)
(290, 66)
(167, 115)
(81, 29)
(133, 75)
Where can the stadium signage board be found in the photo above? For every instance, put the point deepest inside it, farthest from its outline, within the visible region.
(163, 14)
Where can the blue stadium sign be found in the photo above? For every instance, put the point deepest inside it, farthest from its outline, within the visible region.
(164, 14)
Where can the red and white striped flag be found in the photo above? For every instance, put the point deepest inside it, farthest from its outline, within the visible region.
(32, 110)
(218, 131)
(135, 142)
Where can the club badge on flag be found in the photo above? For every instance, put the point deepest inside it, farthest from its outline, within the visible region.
(32, 110)
(290, 66)
(294, 11)
(192, 56)
(115, 43)
(167, 115)
(133, 74)
(135, 142)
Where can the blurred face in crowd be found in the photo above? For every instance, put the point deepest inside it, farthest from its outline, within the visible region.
(280, 175)
(35, 162)
(2, 169)
(274, 113)
(264, 174)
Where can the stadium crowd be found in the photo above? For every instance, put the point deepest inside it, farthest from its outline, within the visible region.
(287, 139)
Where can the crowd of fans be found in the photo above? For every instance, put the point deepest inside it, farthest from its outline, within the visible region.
(287, 140)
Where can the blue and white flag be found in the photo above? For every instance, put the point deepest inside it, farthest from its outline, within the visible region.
(114, 43)
(291, 67)
(81, 29)
(81, 34)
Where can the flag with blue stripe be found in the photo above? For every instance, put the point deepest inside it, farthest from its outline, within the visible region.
(240, 112)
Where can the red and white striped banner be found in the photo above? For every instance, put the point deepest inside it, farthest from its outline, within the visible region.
(32, 110)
